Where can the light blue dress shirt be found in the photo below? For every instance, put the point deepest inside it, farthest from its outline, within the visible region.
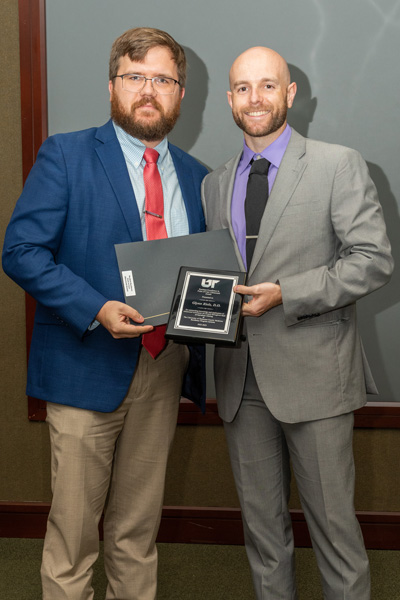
(175, 216)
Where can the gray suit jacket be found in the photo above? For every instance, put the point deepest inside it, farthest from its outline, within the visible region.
(323, 237)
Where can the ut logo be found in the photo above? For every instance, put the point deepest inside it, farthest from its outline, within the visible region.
(209, 283)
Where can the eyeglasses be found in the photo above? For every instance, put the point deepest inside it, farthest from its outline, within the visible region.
(135, 83)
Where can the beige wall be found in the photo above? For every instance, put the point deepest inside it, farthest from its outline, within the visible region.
(23, 445)
(199, 472)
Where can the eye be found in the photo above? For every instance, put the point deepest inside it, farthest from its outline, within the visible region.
(162, 80)
(269, 86)
(134, 77)
(242, 89)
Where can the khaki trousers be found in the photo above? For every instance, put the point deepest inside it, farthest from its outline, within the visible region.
(122, 454)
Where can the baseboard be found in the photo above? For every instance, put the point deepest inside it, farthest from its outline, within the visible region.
(202, 525)
(374, 415)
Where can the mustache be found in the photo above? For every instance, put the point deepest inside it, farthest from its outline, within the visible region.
(147, 100)
(258, 107)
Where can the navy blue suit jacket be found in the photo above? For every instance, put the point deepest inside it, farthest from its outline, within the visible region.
(77, 203)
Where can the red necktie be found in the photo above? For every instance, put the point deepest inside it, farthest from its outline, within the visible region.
(154, 341)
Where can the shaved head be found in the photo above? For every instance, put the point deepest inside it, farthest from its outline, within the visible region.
(260, 95)
(260, 55)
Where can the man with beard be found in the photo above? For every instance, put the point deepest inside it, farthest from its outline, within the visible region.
(112, 402)
(312, 248)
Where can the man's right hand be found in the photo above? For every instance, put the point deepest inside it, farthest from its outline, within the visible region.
(116, 317)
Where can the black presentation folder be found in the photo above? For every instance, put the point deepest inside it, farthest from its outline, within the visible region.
(149, 270)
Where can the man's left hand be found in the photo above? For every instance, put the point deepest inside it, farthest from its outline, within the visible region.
(264, 296)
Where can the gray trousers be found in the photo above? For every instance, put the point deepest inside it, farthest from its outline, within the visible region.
(261, 449)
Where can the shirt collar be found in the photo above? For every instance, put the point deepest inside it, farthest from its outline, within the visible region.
(133, 148)
(273, 153)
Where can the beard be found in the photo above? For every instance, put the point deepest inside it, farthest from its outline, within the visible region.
(278, 117)
(142, 129)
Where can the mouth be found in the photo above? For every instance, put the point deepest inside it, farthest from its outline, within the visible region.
(146, 107)
(257, 113)
(147, 111)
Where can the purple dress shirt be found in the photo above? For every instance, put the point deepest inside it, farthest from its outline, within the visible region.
(274, 153)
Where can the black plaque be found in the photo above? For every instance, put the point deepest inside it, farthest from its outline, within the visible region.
(205, 308)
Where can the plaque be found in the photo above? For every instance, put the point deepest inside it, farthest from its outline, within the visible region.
(205, 308)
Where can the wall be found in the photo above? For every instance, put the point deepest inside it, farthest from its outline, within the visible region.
(343, 56)
(23, 446)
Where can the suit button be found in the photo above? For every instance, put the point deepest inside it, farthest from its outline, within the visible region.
(243, 338)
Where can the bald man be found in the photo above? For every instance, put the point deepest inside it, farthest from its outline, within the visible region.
(309, 228)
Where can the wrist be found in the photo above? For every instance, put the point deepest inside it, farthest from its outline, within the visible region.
(278, 294)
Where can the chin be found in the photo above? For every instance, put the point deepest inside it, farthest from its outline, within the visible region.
(147, 121)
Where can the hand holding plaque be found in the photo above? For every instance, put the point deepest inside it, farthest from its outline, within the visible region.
(205, 308)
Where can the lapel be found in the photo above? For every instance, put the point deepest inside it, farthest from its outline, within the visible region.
(289, 174)
(113, 161)
(226, 182)
(186, 183)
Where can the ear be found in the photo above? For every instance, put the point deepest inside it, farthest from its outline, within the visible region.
(183, 90)
(291, 92)
(110, 88)
(229, 96)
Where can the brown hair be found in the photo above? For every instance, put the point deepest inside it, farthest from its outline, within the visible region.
(138, 41)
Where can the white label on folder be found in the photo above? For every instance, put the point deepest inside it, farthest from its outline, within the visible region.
(129, 285)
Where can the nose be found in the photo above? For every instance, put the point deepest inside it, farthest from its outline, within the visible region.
(148, 89)
(255, 95)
